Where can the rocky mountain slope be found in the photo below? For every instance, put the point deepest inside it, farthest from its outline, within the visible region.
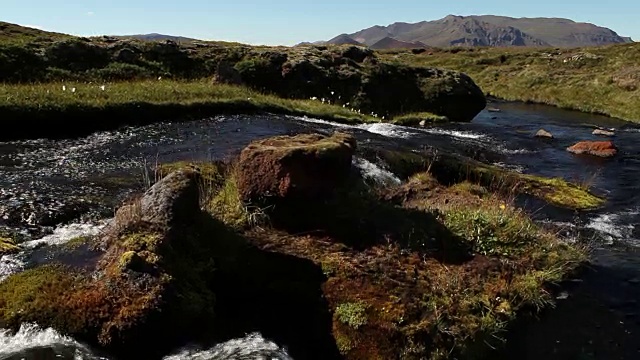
(488, 30)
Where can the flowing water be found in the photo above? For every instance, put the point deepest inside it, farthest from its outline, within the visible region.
(54, 190)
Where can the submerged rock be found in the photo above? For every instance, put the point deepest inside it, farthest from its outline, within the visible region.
(542, 133)
(604, 149)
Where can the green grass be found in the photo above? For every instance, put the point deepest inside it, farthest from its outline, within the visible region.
(39, 97)
(603, 80)
(416, 118)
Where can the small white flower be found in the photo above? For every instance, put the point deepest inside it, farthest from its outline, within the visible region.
(102, 87)
(64, 88)
(249, 98)
(159, 77)
(73, 90)
(332, 93)
(314, 98)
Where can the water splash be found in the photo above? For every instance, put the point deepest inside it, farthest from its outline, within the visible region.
(31, 341)
(376, 173)
(251, 347)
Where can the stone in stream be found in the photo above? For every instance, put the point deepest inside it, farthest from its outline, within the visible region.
(604, 149)
(542, 133)
(306, 166)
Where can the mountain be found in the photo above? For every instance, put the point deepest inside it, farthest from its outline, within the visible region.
(343, 39)
(156, 37)
(490, 30)
(391, 43)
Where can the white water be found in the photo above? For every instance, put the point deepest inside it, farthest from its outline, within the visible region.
(376, 173)
(616, 226)
(32, 339)
(453, 133)
(12, 263)
(251, 347)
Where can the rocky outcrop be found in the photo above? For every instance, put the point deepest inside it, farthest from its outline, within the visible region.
(355, 77)
(604, 149)
(542, 133)
(226, 74)
(307, 166)
(149, 286)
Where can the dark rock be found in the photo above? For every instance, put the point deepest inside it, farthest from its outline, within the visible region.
(542, 133)
(127, 55)
(596, 148)
(357, 53)
(172, 200)
(307, 166)
(227, 74)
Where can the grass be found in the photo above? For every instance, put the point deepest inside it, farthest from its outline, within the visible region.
(200, 93)
(603, 80)
(415, 119)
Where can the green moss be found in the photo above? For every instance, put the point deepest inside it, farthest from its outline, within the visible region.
(344, 343)
(76, 242)
(416, 118)
(227, 205)
(212, 174)
(141, 241)
(353, 314)
(560, 192)
(8, 246)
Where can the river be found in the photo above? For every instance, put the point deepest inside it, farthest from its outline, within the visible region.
(54, 190)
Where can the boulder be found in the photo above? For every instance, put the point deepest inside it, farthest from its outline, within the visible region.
(542, 133)
(596, 148)
(306, 166)
(603, 132)
(173, 200)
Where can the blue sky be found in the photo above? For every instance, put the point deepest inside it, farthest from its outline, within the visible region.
(289, 22)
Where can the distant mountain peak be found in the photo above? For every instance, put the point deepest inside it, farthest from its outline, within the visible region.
(486, 30)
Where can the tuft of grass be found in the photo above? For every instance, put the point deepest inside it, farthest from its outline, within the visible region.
(353, 314)
(414, 119)
(603, 80)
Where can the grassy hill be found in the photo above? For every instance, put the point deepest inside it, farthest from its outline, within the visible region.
(12, 33)
(604, 80)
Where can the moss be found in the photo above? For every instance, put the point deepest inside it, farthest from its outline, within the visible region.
(353, 314)
(227, 205)
(559, 192)
(141, 241)
(8, 246)
(76, 242)
(416, 118)
(212, 173)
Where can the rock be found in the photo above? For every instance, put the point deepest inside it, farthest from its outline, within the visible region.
(8, 246)
(173, 199)
(544, 134)
(308, 166)
(596, 148)
(603, 132)
(493, 110)
(227, 74)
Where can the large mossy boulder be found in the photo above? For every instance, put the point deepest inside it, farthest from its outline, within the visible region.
(148, 291)
(303, 167)
(355, 76)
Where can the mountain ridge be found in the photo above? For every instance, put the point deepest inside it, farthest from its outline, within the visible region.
(489, 30)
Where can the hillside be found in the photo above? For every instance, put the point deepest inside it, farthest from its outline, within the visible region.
(603, 79)
(391, 43)
(489, 30)
(17, 33)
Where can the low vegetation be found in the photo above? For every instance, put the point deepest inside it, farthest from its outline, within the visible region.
(603, 80)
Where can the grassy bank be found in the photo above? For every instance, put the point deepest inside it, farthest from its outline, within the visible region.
(604, 80)
(44, 109)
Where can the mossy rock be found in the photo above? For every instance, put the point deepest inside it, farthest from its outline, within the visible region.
(8, 246)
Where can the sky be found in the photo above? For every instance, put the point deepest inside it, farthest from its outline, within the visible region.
(288, 22)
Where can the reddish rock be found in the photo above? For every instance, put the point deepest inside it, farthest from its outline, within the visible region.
(595, 148)
(306, 166)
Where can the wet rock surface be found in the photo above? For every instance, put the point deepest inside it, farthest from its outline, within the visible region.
(605, 149)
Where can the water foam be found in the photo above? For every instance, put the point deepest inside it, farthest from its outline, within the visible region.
(615, 226)
(376, 173)
(251, 347)
(13, 263)
(32, 337)
(453, 133)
